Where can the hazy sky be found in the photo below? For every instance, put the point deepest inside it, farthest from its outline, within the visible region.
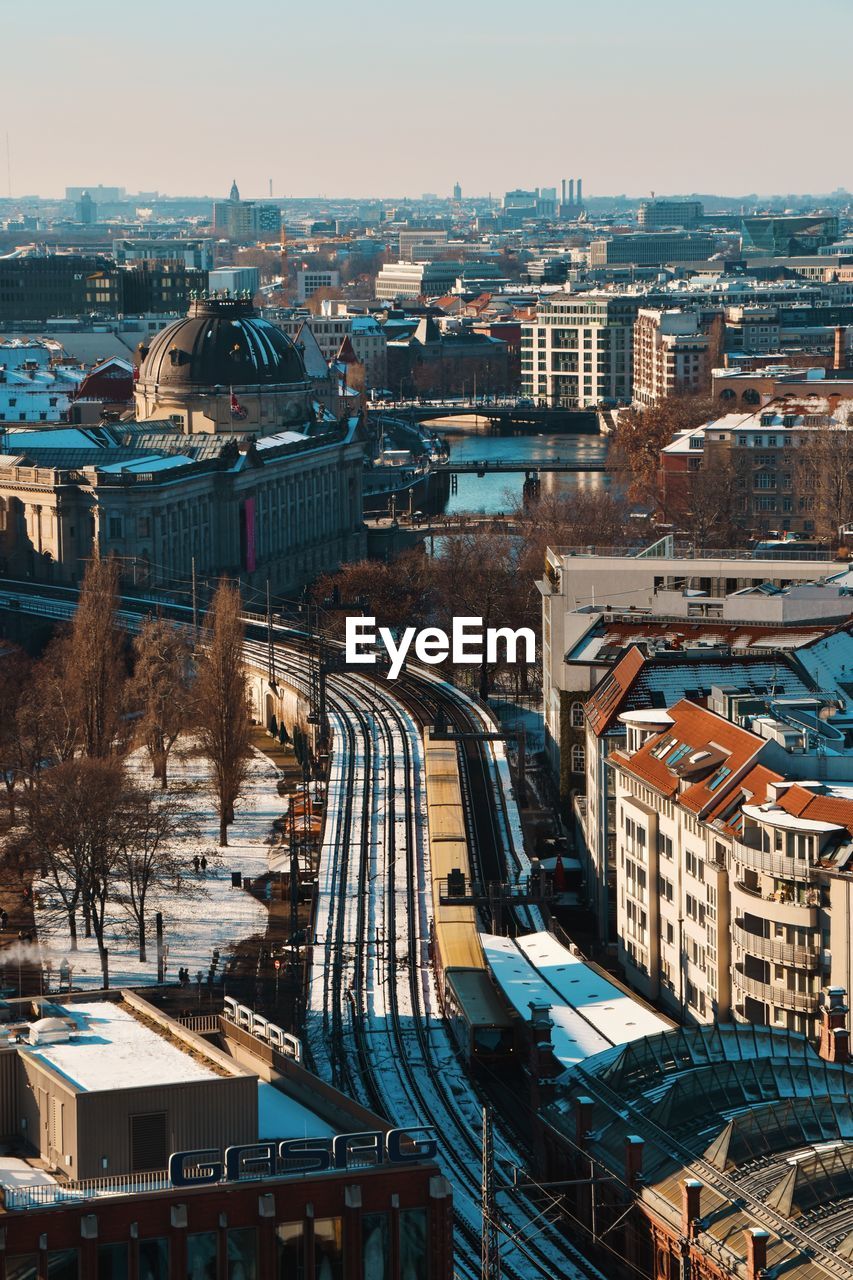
(396, 97)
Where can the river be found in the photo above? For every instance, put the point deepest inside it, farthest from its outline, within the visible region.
(494, 493)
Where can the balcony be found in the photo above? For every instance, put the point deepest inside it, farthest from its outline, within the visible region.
(777, 952)
(775, 907)
(781, 997)
(775, 864)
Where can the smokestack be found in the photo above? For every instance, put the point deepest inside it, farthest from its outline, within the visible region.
(563, 200)
(839, 357)
(756, 1252)
(834, 1043)
(571, 191)
(580, 192)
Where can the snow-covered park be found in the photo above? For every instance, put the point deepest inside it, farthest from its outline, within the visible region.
(212, 915)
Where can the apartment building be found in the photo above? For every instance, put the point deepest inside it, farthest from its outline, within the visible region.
(733, 879)
(577, 352)
(331, 328)
(671, 355)
(759, 451)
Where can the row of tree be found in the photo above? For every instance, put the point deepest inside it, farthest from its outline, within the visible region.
(80, 814)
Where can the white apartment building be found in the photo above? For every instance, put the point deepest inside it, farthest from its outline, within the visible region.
(31, 388)
(671, 355)
(734, 882)
(577, 353)
(415, 279)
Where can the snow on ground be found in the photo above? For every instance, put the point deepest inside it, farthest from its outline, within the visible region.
(216, 916)
(82, 1059)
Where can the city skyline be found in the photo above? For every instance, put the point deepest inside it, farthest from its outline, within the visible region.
(399, 106)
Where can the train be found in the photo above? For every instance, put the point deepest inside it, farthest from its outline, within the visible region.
(480, 1023)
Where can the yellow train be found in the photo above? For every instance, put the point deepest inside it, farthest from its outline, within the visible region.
(478, 1019)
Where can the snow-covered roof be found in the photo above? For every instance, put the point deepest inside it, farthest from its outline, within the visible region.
(112, 1050)
(280, 1116)
(589, 1012)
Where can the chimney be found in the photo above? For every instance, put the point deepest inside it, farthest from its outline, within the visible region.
(563, 188)
(583, 1118)
(691, 1196)
(756, 1252)
(542, 1060)
(571, 191)
(580, 192)
(839, 357)
(834, 1040)
(633, 1160)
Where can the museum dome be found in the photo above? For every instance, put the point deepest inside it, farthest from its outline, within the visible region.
(221, 342)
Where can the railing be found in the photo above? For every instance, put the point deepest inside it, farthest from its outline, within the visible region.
(777, 864)
(687, 551)
(203, 1023)
(813, 899)
(804, 1001)
(779, 952)
(83, 1189)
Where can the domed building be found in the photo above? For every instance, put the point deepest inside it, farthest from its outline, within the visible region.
(223, 368)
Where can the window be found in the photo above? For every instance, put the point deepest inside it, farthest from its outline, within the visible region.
(664, 845)
(154, 1259)
(242, 1254)
(578, 758)
(291, 1250)
(414, 1260)
(577, 718)
(201, 1256)
(112, 1262)
(328, 1249)
(375, 1237)
(63, 1264)
(22, 1266)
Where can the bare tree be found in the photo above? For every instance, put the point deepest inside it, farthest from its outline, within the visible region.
(642, 433)
(95, 670)
(162, 689)
(153, 822)
(15, 671)
(74, 836)
(223, 702)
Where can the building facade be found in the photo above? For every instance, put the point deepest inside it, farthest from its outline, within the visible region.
(578, 351)
(671, 356)
(650, 248)
(653, 214)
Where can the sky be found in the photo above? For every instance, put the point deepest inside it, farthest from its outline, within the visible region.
(394, 98)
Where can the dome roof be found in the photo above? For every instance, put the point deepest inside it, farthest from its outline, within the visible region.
(221, 342)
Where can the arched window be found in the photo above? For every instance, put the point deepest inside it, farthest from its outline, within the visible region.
(578, 758)
(751, 396)
(577, 715)
(727, 394)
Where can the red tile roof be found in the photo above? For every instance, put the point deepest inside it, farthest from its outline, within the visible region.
(728, 747)
(753, 788)
(819, 808)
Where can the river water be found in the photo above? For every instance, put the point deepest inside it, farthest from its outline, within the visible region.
(502, 492)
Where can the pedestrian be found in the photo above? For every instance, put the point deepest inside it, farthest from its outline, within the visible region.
(203, 864)
(196, 863)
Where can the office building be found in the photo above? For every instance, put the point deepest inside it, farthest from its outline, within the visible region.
(401, 280)
(420, 239)
(653, 214)
(309, 280)
(234, 280)
(650, 248)
(246, 220)
(196, 253)
(787, 236)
